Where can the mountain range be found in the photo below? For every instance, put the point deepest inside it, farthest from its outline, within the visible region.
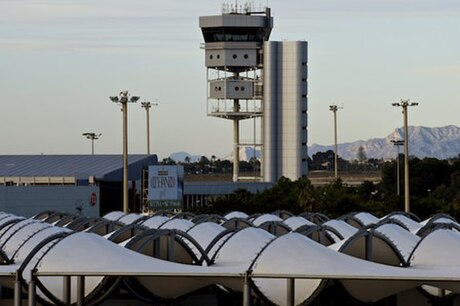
(438, 142)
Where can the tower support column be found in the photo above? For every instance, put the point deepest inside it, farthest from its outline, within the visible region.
(236, 143)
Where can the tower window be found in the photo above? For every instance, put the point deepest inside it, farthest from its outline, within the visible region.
(242, 88)
(218, 56)
(234, 56)
(210, 57)
(304, 96)
(237, 88)
(246, 56)
(304, 144)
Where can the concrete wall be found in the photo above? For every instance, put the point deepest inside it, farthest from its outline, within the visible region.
(29, 200)
(285, 110)
(292, 111)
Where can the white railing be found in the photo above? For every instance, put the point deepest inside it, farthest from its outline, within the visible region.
(247, 7)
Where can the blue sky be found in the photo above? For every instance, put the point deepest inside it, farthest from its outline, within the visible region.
(61, 59)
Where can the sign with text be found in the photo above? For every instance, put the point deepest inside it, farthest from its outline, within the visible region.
(165, 187)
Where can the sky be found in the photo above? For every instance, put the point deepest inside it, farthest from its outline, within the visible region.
(60, 60)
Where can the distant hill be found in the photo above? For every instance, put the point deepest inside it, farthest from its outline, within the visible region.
(439, 142)
(180, 157)
(246, 153)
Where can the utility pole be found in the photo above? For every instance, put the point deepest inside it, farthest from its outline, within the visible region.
(93, 137)
(124, 98)
(404, 104)
(147, 105)
(397, 143)
(334, 109)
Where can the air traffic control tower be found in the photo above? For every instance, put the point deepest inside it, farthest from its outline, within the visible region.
(250, 77)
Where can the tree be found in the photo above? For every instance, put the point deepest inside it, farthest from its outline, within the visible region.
(361, 154)
(307, 198)
(203, 164)
(168, 161)
(213, 161)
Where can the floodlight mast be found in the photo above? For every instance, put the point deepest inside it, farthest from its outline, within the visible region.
(124, 98)
(334, 108)
(397, 143)
(93, 136)
(404, 104)
(147, 105)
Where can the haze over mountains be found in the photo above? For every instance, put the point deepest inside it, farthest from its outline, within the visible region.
(438, 142)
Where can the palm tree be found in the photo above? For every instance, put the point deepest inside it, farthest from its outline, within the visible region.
(213, 159)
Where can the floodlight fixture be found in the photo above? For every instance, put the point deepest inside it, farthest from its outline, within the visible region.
(92, 136)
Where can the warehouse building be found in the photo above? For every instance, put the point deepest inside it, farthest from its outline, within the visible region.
(90, 185)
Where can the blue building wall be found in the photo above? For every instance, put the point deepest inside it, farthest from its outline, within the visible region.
(30, 200)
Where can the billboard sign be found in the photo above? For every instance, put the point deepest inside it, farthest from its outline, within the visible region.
(165, 187)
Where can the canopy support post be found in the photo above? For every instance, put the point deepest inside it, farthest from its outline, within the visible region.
(66, 289)
(290, 292)
(247, 290)
(17, 289)
(80, 290)
(32, 289)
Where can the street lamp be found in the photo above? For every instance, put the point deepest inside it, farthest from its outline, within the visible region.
(93, 137)
(334, 109)
(404, 104)
(147, 105)
(124, 98)
(397, 143)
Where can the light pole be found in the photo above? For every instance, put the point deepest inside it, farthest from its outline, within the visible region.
(93, 137)
(147, 105)
(334, 109)
(404, 104)
(397, 143)
(124, 98)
